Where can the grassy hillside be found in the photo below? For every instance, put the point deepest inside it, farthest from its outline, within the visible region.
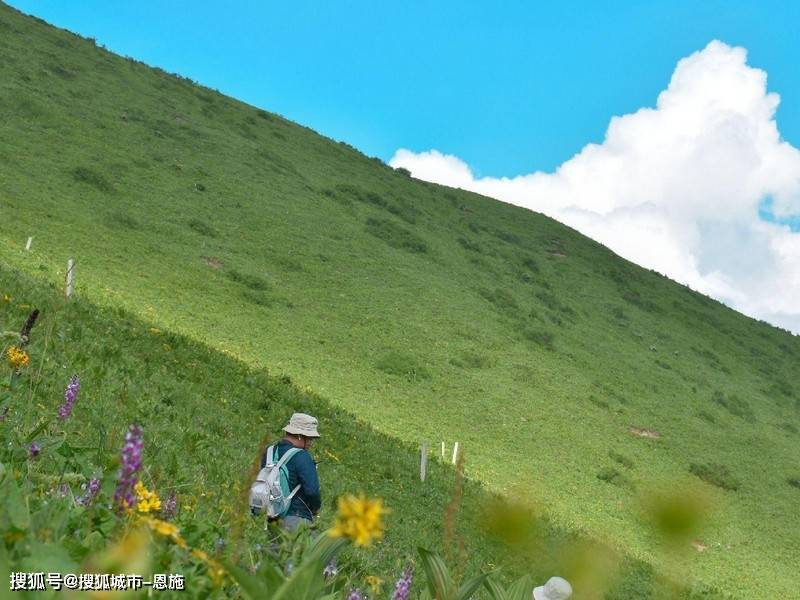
(205, 416)
(428, 312)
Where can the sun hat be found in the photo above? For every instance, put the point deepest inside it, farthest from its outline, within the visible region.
(302, 424)
(556, 588)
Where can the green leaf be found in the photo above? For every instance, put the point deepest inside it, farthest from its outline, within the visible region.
(37, 430)
(521, 589)
(466, 591)
(436, 573)
(15, 506)
(496, 591)
(252, 587)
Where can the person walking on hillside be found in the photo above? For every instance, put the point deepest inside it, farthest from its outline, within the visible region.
(301, 432)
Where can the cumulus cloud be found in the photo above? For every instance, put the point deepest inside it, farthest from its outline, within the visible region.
(680, 188)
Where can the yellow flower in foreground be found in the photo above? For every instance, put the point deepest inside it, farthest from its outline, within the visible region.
(359, 519)
(17, 357)
(146, 501)
(166, 529)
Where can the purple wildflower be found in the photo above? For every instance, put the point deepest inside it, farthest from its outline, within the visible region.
(130, 463)
(403, 585)
(70, 394)
(170, 507)
(355, 594)
(92, 489)
(330, 570)
(34, 449)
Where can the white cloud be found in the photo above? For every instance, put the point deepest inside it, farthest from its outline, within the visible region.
(677, 188)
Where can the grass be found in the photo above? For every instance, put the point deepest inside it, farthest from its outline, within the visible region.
(204, 415)
(308, 277)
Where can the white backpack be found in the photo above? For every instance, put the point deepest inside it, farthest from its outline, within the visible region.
(270, 490)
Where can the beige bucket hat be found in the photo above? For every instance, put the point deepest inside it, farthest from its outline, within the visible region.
(556, 588)
(302, 424)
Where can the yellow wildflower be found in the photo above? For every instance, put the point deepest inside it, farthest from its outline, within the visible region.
(374, 583)
(154, 330)
(359, 519)
(146, 501)
(6, 298)
(17, 357)
(166, 529)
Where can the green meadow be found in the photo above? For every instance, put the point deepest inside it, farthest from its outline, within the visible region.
(574, 381)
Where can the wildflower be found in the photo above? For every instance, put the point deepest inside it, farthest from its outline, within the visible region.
(330, 570)
(170, 508)
(219, 545)
(146, 501)
(359, 519)
(355, 594)
(64, 490)
(33, 450)
(6, 298)
(374, 583)
(92, 489)
(403, 586)
(130, 463)
(168, 530)
(4, 413)
(70, 394)
(17, 357)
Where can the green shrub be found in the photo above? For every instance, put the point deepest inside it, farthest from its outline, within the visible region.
(92, 178)
(253, 282)
(614, 477)
(402, 364)
(789, 427)
(469, 245)
(122, 219)
(202, 228)
(541, 337)
(621, 459)
(715, 474)
(735, 405)
(794, 482)
(395, 235)
(471, 360)
(501, 299)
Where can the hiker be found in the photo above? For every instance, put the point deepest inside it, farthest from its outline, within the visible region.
(556, 588)
(301, 470)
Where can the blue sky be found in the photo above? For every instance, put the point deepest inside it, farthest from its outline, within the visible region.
(510, 87)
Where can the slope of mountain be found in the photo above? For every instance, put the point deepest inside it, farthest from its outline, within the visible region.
(570, 377)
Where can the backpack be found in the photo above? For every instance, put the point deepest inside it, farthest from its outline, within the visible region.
(270, 490)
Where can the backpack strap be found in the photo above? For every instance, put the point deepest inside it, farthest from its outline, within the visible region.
(284, 459)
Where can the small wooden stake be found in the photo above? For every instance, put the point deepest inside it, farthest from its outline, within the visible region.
(423, 461)
(28, 245)
(70, 277)
(442, 450)
(455, 452)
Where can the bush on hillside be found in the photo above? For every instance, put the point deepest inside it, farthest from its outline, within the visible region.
(402, 364)
(250, 281)
(92, 178)
(396, 236)
(621, 459)
(794, 482)
(735, 405)
(542, 338)
(202, 228)
(614, 477)
(716, 474)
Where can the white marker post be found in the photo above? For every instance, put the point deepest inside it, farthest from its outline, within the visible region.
(423, 461)
(28, 245)
(443, 452)
(70, 277)
(455, 452)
